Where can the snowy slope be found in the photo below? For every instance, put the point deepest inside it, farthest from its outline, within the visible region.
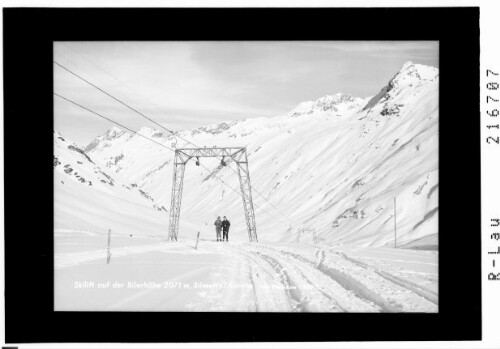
(334, 164)
(86, 198)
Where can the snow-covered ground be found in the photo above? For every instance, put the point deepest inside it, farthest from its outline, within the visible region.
(153, 275)
(335, 165)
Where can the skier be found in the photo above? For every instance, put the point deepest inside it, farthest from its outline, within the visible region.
(225, 229)
(218, 227)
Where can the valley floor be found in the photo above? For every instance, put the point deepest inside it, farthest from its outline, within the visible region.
(148, 274)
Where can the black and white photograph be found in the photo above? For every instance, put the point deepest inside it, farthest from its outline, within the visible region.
(182, 174)
(246, 176)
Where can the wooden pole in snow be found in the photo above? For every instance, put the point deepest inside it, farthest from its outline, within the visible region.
(197, 239)
(109, 246)
(395, 229)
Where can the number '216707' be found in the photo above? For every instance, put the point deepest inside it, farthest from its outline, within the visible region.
(492, 111)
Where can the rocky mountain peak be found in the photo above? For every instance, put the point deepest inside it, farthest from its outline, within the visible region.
(112, 133)
(411, 73)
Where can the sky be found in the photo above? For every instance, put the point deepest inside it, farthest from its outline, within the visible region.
(185, 85)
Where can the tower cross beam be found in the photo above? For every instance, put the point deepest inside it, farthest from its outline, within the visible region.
(232, 152)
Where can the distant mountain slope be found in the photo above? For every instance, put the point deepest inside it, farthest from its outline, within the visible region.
(87, 198)
(334, 164)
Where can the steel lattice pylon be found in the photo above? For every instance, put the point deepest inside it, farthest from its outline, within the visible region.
(303, 231)
(238, 155)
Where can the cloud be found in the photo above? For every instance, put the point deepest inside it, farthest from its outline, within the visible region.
(189, 84)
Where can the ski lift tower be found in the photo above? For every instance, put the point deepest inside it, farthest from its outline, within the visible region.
(236, 154)
(303, 231)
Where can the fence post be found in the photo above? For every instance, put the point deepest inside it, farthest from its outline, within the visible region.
(109, 247)
(197, 239)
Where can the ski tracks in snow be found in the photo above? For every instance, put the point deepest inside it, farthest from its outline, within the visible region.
(350, 295)
(290, 284)
(276, 278)
(285, 279)
(411, 286)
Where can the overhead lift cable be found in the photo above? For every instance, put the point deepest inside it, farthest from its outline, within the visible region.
(156, 123)
(120, 101)
(147, 138)
(253, 188)
(120, 82)
(110, 120)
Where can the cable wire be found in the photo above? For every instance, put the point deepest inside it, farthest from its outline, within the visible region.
(120, 101)
(149, 139)
(232, 169)
(110, 120)
(135, 92)
(156, 123)
(135, 132)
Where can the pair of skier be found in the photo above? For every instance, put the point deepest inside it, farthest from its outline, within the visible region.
(224, 226)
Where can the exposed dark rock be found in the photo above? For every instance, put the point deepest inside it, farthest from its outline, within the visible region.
(427, 216)
(78, 150)
(146, 195)
(56, 161)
